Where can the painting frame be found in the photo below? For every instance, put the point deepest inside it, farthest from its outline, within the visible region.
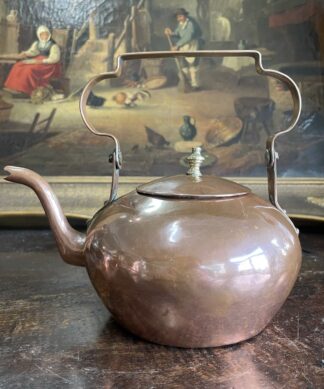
(80, 196)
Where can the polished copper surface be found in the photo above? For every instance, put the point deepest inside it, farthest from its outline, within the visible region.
(182, 272)
(192, 273)
(69, 241)
(182, 186)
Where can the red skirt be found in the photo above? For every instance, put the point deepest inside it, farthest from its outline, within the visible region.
(25, 77)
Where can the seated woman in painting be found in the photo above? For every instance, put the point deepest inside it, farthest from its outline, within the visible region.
(40, 63)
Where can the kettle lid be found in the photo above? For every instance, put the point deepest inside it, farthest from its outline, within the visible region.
(190, 187)
(193, 185)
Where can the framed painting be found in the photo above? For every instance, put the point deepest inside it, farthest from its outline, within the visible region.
(159, 108)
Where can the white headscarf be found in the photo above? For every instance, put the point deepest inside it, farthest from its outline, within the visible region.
(42, 29)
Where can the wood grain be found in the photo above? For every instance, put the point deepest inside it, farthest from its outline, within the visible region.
(56, 333)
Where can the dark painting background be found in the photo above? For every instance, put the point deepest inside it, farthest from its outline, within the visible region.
(91, 34)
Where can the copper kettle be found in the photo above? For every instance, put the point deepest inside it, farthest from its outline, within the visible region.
(188, 260)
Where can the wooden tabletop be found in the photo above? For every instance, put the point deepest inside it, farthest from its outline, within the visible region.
(7, 61)
(56, 333)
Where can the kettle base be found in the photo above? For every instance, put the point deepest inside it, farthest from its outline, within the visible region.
(193, 344)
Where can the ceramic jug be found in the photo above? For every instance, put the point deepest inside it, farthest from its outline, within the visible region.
(12, 16)
(188, 130)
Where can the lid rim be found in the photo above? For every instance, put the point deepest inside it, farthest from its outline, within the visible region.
(193, 197)
(191, 188)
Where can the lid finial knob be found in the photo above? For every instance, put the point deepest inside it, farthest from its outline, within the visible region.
(194, 161)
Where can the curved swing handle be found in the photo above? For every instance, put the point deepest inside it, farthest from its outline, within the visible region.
(271, 154)
(116, 157)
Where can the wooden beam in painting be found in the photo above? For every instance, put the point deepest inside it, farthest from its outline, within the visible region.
(284, 5)
(111, 51)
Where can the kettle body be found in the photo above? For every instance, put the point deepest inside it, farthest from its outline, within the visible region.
(192, 273)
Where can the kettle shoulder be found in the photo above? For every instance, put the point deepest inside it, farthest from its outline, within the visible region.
(141, 217)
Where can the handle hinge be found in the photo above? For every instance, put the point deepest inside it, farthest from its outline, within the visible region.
(116, 159)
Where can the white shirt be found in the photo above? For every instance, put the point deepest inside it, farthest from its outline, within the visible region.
(54, 56)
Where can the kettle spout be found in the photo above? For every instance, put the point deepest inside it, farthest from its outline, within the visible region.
(69, 241)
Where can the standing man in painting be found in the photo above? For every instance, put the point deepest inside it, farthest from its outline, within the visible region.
(187, 37)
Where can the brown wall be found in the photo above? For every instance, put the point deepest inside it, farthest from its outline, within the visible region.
(3, 9)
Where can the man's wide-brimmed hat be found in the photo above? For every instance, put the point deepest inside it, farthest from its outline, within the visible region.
(181, 11)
